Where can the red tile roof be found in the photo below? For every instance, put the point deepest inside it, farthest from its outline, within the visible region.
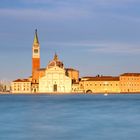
(21, 80)
(130, 74)
(102, 78)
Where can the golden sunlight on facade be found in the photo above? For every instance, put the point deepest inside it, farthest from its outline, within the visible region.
(100, 84)
(55, 78)
(130, 82)
(21, 86)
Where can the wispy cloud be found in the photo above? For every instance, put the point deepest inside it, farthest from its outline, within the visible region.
(106, 2)
(44, 14)
(78, 1)
(62, 9)
(122, 17)
(116, 48)
(100, 47)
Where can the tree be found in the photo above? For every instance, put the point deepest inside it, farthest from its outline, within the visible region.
(1, 87)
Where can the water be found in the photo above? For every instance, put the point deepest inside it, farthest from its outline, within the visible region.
(69, 117)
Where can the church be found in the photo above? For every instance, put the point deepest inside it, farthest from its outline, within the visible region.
(55, 78)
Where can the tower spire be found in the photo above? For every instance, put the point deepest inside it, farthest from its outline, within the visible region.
(55, 57)
(36, 41)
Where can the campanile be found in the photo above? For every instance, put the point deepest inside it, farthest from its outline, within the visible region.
(35, 54)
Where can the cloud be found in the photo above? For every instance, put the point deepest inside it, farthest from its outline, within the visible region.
(88, 47)
(100, 47)
(62, 9)
(78, 1)
(116, 1)
(44, 14)
(52, 2)
(116, 48)
(122, 17)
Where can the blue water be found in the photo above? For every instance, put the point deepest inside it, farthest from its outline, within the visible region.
(69, 117)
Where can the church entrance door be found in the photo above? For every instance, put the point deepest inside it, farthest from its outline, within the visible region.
(55, 88)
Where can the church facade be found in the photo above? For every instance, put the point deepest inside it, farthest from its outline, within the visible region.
(55, 78)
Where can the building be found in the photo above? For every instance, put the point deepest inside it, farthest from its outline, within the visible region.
(21, 86)
(35, 64)
(55, 78)
(5, 86)
(100, 84)
(73, 74)
(130, 82)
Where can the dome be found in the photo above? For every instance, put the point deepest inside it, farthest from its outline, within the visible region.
(56, 62)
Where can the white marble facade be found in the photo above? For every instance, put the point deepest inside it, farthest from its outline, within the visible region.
(55, 79)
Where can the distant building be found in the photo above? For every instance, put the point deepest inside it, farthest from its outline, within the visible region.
(21, 86)
(130, 82)
(5, 86)
(55, 78)
(100, 84)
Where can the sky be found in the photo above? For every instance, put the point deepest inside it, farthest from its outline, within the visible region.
(92, 36)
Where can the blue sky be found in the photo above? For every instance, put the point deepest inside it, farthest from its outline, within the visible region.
(93, 36)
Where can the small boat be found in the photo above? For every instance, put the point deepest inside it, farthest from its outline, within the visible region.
(106, 94)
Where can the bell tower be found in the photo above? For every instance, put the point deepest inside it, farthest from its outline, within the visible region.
(35, 54)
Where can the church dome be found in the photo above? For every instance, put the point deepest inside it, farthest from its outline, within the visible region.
(55, 62)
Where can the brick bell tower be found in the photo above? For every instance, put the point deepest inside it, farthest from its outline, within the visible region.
(35, 55)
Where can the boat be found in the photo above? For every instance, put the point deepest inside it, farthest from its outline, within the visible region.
(105, 94)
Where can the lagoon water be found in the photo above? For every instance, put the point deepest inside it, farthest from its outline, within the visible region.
(69, 117)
